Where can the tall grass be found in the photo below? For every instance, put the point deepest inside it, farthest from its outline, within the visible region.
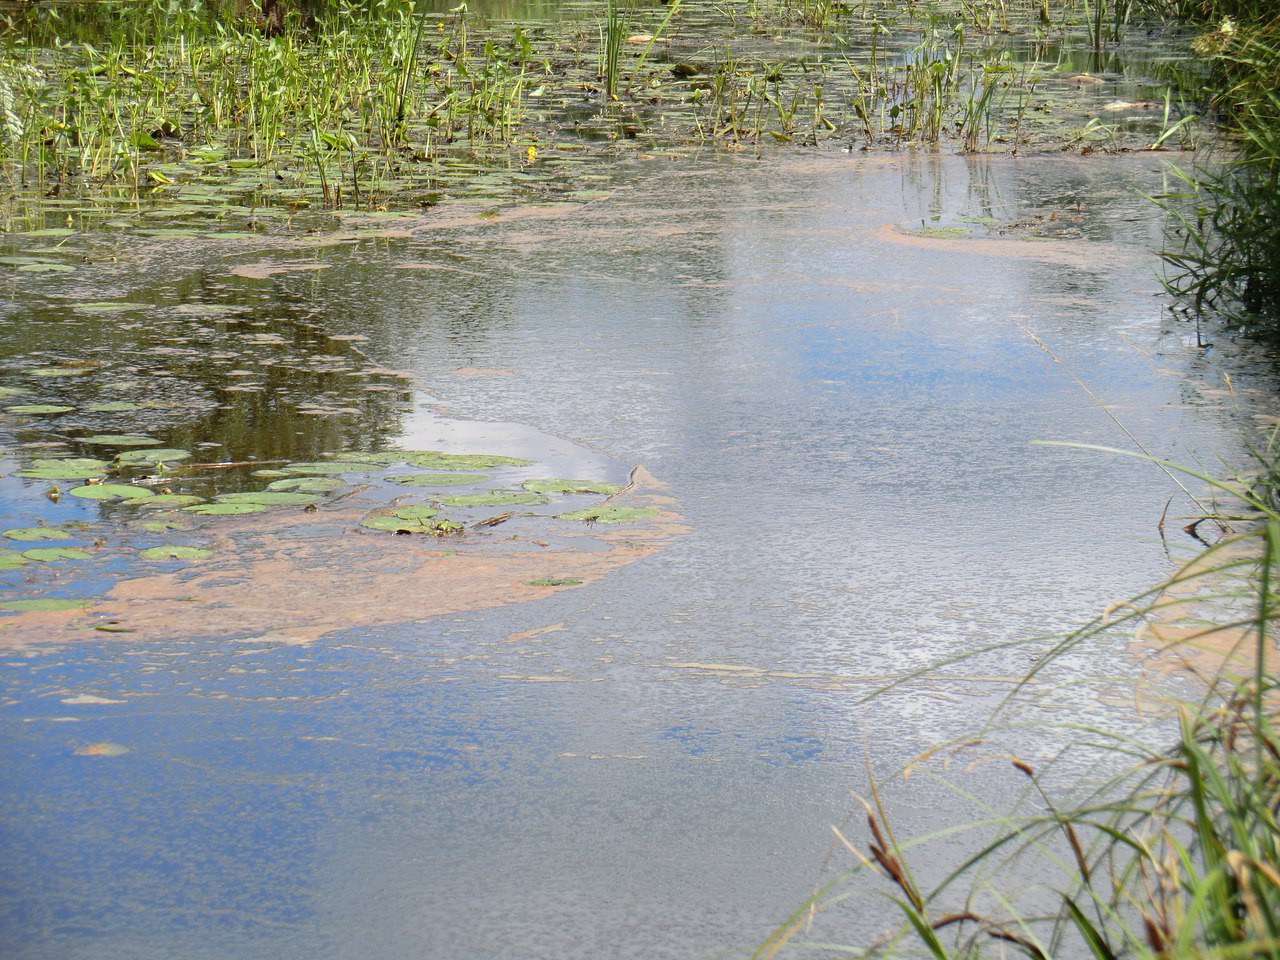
(1224, 250)
(1176, 851)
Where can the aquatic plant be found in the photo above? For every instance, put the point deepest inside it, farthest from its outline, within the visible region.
(1174, 851)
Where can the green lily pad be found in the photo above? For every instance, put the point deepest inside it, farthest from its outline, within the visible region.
(412, 518)
(46, 268)
(33, 408)
(37, 533)
(11, 392)
(610, 514)
(323, 468)
(73, 468)
(152, 456)
(266, 497)
(492, 499)
(50, 554)
(164, 526)
(121, 440)
(43, 604)
(571, 486)
(111, 491)
(12, 559)
(432, 460)
(112, 406)
(225, 509)
(167, 501)
(175, 553)
(307, 484)
(438, 479)
(553, 582)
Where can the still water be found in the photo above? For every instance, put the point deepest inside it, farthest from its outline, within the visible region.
(836, 365)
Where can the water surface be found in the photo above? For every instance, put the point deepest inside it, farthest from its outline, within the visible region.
(837, 364)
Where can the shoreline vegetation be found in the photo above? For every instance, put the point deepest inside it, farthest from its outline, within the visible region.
(109, 110)
(392, 106)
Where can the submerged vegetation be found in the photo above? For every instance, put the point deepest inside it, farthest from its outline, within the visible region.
(370, 106)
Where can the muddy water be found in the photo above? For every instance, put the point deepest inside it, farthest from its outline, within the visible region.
(832, 368)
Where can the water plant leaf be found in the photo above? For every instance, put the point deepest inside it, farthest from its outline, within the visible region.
(225, 509)
(323, 468)
(174, 552)
(121, 440)
(610, 514)
(163, 501)
(308, 484)
(34, 408)
(37, 533)
(43, 604)
(495, 499)
(433, 460)
(50, 554)
(153, 456)
(73, 468)
(553, 582)
(46, 268)
(112, 406)
(438, 479)
(12, 559)
(266, 497)
(60, 371)
(571, 486)
(412, 519)
(111, 491)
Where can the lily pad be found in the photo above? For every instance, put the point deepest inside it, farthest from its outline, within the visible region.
(496, 499)
(412, 518)
(60, 371)
(111, 491)
(307, 484)
(438, 479)
(34, 408)
(266, 497)
(12, 559)
(50, 554)
(553, 582)
(37, 533)
(225, 509)
(175, 553)
(153, 456)
(43, 604)
(46, 268)
(432, 460)
(571, 486)
(121, 440)
(610, 514)
(73, 468)
(163, 501)
(112, 406)
(323, 468)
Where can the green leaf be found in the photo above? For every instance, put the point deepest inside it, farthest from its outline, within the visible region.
(496, 499)
(111, 491)
(225, 509)
(438, 479)
(121, 440)
(50, 554)
(553, 582)
(74, 468)
(432, 460)
(154, 456)
(34, 408)
(37, 533)
(175, 553)
(267, 497)
(43, 604)
(610, 514)
(572, 486)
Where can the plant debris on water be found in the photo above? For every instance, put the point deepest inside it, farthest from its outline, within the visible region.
(203, 112)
